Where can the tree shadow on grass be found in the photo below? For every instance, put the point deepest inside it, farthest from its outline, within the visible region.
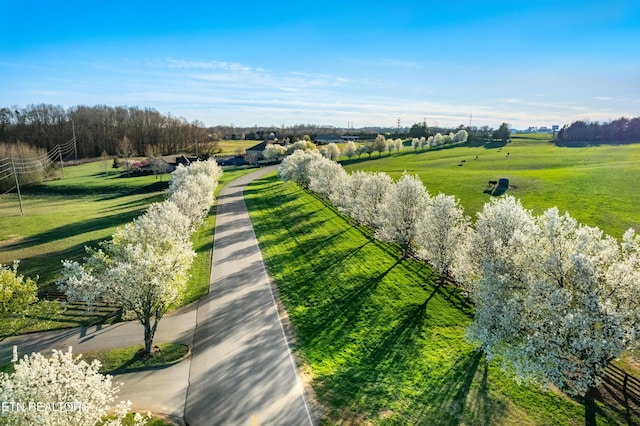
(333, 307)
(457, 300)
(75, 228)
(376, 385)
(361, 386)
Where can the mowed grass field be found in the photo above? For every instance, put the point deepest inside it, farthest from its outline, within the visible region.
(230, 147)
(596, 185)
(373, 352)
(63, 216)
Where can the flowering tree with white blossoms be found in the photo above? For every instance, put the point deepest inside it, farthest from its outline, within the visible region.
(325, 176)
(350, 150)
(558, 300)
(302, 145)
(194, 197)
(461, 136)
(208, 168)
(332, 151)
(274, 152)
(444, 237)
(191, 189)
(379, 144)
(398, 144)
(143, 269)
(503, 229)
(296, 166)
(437, 140)
(423, 142)
(369, 196)
(350, 188)
(60, 390)
(400, 212)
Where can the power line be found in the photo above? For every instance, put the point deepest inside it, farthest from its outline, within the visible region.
(17, 167)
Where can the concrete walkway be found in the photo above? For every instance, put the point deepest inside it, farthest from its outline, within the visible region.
(241, 371)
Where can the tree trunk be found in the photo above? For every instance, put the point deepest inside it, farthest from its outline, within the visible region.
(150, 326)
(148, 336)
(590, 406)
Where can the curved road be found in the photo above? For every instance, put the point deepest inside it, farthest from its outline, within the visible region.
(241, 371)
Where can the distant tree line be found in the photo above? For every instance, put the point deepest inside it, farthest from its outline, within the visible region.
(622, 130)
(475, 135)
(100, 129)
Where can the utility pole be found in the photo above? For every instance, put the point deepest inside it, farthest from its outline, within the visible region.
(60, 157)
(15, 175)
(75, 148)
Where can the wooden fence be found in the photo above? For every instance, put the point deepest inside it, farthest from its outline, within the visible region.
(627, 384)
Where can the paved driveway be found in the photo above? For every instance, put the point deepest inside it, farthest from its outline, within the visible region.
(242, 371)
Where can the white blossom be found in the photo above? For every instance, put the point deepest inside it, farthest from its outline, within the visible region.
(556, 299)
(400, 211)
(296, 166)
(398, 144)
(144, 267)
(274, 152)
(368, 197)
(350, 149)
(443, 237)
(323, 175)
(59, 390)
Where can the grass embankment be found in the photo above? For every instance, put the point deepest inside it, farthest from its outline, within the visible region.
(595, 184)
(374, 353)
(122, 360)
(63, 216)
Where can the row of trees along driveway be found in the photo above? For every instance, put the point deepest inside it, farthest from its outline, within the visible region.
(555, 300)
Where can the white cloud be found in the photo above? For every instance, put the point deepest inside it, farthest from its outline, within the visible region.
(219, 65)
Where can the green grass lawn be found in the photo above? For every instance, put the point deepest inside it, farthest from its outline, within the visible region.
(230, 147)
(63, 216)
(374, 353)
(122, 360)
(596, 185)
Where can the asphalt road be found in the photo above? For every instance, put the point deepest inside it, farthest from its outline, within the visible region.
(241, 371)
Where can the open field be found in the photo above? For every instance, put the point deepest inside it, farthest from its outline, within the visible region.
(61, 217)
(374, 352)
(230, 147)
(596, 185)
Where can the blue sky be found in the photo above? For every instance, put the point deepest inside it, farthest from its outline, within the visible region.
(369, 63)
